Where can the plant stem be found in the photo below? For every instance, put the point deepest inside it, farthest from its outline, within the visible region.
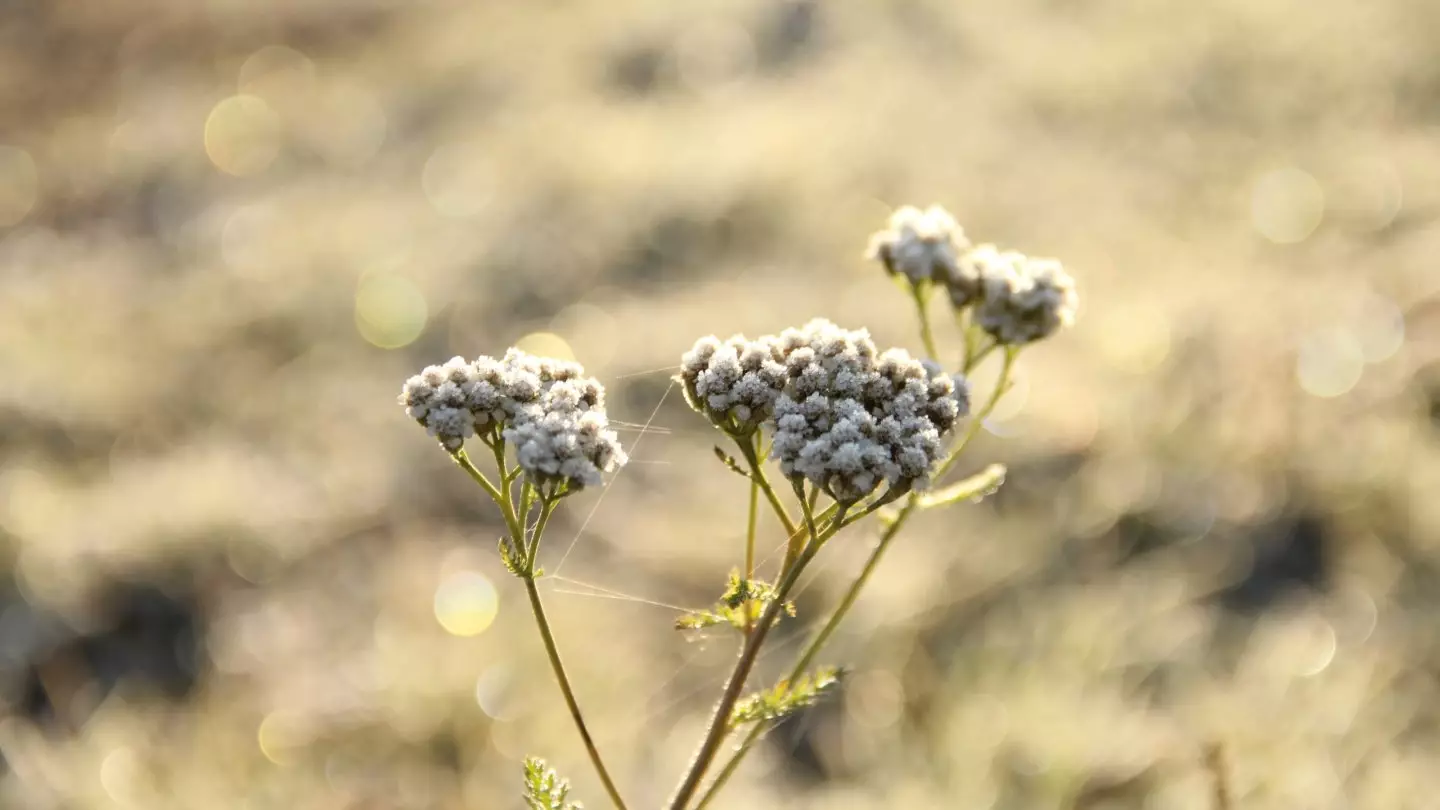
(533, 552)
(811, 650)
(559, 669)
(977, 420)
(530, 548)
(750, 522)
(758, 478)
(893, 529)
(720, 722)
(499, 494)
(921, 294)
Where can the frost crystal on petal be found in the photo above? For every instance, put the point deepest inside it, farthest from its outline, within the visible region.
(921, 245)
(548, 409)
(851, 418)
(733, 383)
(1026, 299)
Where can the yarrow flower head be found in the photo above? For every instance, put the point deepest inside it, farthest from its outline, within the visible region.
(1025, 299)
(851, 418)
(548, 409)
(733, 383)
(967, 285)
(921, 245)
(1017, 299)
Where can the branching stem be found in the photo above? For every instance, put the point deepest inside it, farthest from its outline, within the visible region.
(812, 649)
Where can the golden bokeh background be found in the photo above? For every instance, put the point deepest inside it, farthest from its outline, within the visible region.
(233, 575)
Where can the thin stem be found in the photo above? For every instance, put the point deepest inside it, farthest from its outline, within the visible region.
(757, 476)
(751, 520)
(967, 336)
(977, 420)
(811, 650)
(546, 508)
(921, 294)
(559, 669)
(813, 647)
(500, 495)
(720, 722)
(516, 523)
(463, 460)
(977, 357)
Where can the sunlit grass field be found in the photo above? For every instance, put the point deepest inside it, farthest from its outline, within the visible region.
(236, 576)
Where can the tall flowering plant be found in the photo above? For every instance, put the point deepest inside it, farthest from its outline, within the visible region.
(848, 432)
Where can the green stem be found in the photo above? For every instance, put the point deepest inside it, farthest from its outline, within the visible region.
(813, 647)
(758, 478)
(559, 669)
(977, 420)
(720, 721)
(516, 525)
(921, 294)
(811, 650)
(501, 495)
(532, 554)
(751, 520)
(463, 460)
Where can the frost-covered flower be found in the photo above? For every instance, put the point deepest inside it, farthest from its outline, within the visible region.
(1026, 299)
(735, 382)
(552, 413)
(922, 245)
(851, 418)
(967, 284)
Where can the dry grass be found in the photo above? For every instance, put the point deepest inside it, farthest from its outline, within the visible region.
(1192, 548)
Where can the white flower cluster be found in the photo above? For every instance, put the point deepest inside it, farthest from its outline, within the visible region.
(1017, 299)
(548, 409)
(922, 245)
(849, 419)
(1023, 299)
(735, 382)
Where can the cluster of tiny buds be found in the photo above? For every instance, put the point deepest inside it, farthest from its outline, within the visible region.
(551, 413)
(1016, 299)
(845, 417)
(733, 383)
(920, 245)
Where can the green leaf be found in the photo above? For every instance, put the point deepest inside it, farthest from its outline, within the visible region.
(974, 488)
(785, 698)
(507, 557)
(544, 789)
(729, 461)
(743, 602)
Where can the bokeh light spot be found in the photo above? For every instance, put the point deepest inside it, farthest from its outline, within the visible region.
(1286, 206)
(496, 693)
(19, 184)
(278, 736)
(458, 181)
(1314, 654)
(390, 310)
(242, 135)
(120, 776)
(546, 344)
(466, 603)
(1330, 363)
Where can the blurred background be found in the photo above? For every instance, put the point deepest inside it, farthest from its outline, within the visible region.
(234, 575)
